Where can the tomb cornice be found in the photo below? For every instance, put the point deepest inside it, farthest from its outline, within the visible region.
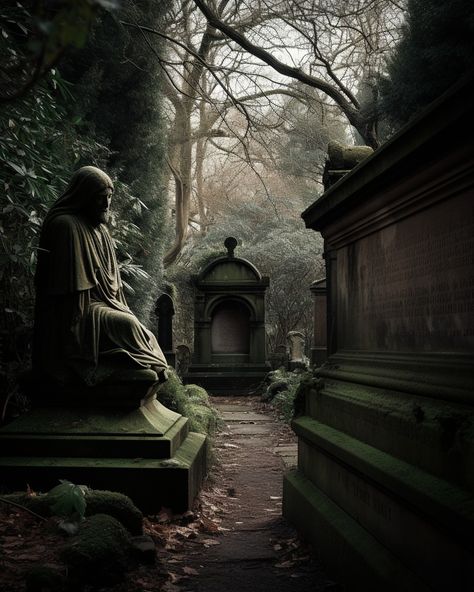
(404, 152)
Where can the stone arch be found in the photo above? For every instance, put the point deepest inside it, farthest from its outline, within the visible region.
(230, 327)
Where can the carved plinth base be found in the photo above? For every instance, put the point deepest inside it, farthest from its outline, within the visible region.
(147, 453)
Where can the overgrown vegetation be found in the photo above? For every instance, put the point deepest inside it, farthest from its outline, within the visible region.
(436, 50)
(190, 400)
(100, 105)
(282, 391)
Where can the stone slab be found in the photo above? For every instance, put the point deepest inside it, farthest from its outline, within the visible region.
(411, 509)
(151, 484)
(221, 407)
(245, 416)
(437, 436)
(342, 542)
(152, 431)
(250, 429)
(152, 419)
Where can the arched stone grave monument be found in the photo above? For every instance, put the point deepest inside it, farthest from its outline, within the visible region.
(229, 325)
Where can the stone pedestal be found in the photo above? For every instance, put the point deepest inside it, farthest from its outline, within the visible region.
(385, 479)
(145, 451)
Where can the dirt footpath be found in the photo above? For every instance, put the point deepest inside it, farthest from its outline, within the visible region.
(253, 547)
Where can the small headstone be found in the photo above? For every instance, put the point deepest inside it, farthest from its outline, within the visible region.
(296, 343)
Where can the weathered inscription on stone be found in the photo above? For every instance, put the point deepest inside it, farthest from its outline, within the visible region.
(410, 286)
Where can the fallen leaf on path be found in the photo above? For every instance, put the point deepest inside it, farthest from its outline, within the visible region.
(190, 571)
(165, 515)
(275, 497)
(285, 564)
(210, 542)
(208, 526)
(228, 445)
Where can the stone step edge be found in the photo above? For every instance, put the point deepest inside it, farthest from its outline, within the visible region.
(395, 381)
(183, 458)
(444, 503)
(355, 556)
(174, 436)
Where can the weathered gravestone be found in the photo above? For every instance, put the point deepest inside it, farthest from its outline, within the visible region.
(97, 369)
(296, 343)
(319, 349)
(385, 478)
(229, 326)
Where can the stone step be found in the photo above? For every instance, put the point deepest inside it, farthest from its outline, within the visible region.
(406, 507)
(227, 383)
(147, 453)
(151, 431)
(150, 483)
(340, 538)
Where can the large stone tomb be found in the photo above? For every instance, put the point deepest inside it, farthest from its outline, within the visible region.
(385, 478)
(229, 326)
(120, 443)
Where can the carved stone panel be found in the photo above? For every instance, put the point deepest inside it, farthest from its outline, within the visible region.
(410, 286)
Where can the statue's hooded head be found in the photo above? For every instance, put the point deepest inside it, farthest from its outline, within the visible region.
(89, 193)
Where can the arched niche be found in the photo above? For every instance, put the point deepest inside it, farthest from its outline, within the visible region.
(230, 328)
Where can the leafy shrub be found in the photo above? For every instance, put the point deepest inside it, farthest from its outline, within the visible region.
(284, 401)
(190, 400)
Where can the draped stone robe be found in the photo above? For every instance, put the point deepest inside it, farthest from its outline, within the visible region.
(84, 330)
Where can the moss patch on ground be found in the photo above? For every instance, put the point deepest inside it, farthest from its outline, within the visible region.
(100, 552)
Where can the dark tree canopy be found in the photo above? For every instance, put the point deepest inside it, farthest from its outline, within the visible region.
(436, 50)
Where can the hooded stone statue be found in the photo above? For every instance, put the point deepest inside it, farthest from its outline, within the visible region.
(84, 330)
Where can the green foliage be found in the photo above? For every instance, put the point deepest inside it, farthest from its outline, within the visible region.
(102, 107)
(34, 36)
(38, 149)
(68, 501)
(118, 79)
(191, 401)
(284, 401)
(437, 49)
(302, 149)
